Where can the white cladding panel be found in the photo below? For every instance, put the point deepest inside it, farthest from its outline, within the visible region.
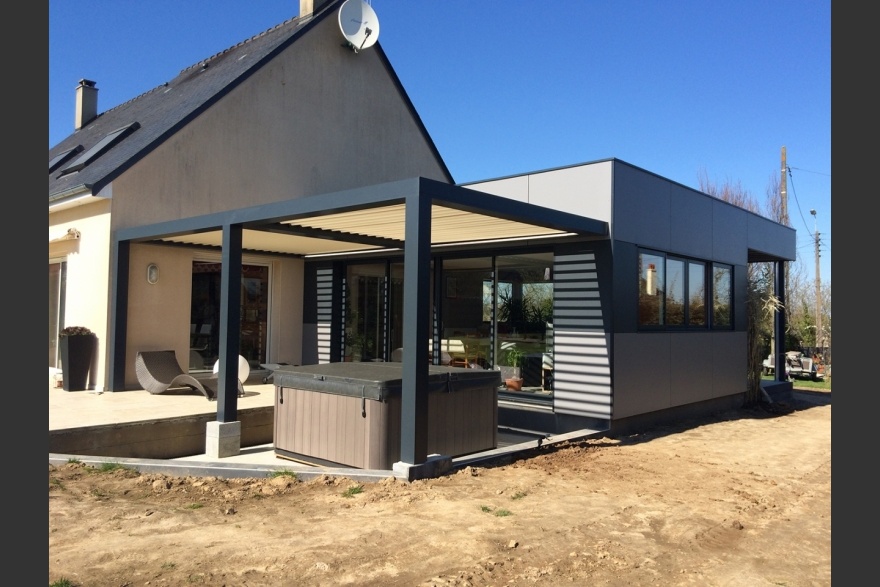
(582, 189)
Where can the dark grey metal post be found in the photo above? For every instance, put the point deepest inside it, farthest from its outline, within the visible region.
(416, 297)
(779, 321)
(117, 333)
(230, 324)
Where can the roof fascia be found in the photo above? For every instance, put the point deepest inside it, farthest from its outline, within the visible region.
(539, 171)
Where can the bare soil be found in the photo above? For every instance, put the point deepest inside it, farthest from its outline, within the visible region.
(742, 498)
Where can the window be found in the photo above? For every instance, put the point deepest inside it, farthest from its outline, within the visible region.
(102, 145)
(672, 292)
(63, 158)
(652, 290)
(675, 302)
(722, 296)
(696, 293)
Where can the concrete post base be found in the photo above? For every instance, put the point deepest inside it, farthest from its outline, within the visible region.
(435, 466)
(222, 439)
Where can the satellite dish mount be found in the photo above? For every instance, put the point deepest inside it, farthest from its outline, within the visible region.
(359, 24)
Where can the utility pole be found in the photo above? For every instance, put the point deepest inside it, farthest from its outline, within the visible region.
(777, 343)
(783, 190)
(818, 286)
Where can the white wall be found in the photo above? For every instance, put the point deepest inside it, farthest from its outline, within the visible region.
(159, 314)
(88, 271)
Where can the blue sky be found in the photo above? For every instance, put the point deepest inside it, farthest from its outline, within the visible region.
(683, 89)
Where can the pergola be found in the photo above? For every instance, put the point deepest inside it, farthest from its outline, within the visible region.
(412, 215)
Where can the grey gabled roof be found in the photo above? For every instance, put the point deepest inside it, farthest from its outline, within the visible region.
(152, 117)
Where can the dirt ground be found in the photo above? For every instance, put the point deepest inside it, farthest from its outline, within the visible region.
(742, 498)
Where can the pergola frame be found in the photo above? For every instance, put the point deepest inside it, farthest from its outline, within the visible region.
(420, 198)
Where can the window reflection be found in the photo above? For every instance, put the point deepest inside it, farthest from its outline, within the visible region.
(523, 347)
(491, 313)
(673, 292)
(502, 319)
(652, 288)
(696, 293)
(722, 296)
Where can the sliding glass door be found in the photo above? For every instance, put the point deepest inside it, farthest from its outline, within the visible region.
(205, 313)
(491, 313)
(366, 308)
(524, 322)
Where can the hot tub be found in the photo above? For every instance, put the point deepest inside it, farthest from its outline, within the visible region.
(349, 413)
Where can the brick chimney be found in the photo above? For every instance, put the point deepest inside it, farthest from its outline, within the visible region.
(86, 103)
(308, 7)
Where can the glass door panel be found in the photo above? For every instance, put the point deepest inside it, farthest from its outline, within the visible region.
(205, 314)
(465, 329)
(366, 308)
(524, 322)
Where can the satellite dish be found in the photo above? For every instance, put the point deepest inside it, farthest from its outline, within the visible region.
(359, 24)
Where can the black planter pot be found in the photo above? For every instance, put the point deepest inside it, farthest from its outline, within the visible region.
(77, 353)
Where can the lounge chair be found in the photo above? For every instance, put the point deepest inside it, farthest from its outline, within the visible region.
(158, 371)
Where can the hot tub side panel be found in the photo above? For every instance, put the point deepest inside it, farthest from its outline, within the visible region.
(340, 429)
(462, 422)
(365, 433)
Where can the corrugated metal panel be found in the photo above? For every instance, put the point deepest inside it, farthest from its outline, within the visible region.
(581, 358)
(448, 225)
(256, 240)
(325, 312)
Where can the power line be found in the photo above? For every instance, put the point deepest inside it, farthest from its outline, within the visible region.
(804, 220)
(808, 171)
(815, 241)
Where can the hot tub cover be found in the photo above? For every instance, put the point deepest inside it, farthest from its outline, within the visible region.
(378, 381)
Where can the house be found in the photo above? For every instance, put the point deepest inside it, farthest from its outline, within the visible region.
(282, 200)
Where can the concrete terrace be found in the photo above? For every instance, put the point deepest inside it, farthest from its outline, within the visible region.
(122, 416)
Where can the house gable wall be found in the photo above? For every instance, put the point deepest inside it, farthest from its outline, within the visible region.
(316, 119)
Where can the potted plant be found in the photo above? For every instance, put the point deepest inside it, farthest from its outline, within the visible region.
(77, 345)
(513, 357)
(355, 344)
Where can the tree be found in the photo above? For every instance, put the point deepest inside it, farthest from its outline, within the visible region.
(761, 306)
